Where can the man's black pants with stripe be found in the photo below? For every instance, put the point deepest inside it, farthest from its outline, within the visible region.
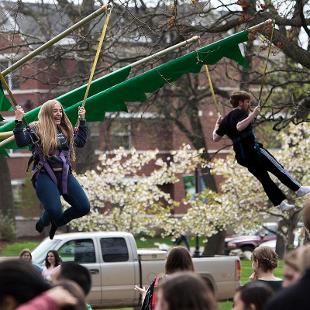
(262, 162)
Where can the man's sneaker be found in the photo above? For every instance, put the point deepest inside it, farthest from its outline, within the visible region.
(302, 191)
(285, 206)
(39, 226)
(52, 231)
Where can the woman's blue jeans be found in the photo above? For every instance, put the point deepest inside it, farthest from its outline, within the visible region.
(49, 195)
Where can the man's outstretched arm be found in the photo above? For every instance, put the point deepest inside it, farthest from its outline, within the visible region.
(247, 121)
(215, 136)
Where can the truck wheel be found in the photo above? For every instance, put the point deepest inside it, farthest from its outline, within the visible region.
(209, 284)
(247, 251)
(248, 248)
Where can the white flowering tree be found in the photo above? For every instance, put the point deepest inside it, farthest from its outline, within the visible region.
(123, 198)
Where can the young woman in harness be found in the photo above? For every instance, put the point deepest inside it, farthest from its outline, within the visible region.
(237, 125)
(52, 141)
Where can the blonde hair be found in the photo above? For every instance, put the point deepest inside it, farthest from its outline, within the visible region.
(47, 129)
(266, 258)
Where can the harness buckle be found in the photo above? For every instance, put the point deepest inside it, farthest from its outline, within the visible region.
(39, 166)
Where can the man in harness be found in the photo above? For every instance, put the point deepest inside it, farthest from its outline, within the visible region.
(52, 141)
(237, 125)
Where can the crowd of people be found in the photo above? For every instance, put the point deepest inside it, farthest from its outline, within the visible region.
(61, 285)
(64, 285)
(183, 289)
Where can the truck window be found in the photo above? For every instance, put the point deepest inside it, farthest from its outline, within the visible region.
(114, 250)
(80, 251)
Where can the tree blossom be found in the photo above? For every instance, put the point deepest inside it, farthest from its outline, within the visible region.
(123, 197)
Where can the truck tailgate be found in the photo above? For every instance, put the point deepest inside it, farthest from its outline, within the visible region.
(152, 263)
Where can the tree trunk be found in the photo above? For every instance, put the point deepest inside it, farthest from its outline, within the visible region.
(215, 244)
(286, 228)
(6, 195)
(280, 246)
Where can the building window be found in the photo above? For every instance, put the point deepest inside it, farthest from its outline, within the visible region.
(13, 78)
(120, 134)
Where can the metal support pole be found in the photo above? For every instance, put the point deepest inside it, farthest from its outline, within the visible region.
(197, 190)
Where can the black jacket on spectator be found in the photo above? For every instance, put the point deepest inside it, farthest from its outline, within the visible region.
(295, 297)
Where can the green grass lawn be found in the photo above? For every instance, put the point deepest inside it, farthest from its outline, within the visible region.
(246, 270)
(15, 248)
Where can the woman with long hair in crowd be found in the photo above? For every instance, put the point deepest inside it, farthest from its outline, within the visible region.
(51, 264)
(178, 259)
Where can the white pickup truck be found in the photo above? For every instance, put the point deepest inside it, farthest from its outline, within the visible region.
(116, 266)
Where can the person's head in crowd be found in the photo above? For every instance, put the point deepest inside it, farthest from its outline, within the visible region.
(26, 255)
(76, 273)
(184, 291)
(52, 259)
(76, 291)
(252, 296)
(178, 259)
(291, 268)
(20, 282)
(264, 260)
(304, 258)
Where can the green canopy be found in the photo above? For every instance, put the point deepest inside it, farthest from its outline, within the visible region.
(5, 104)
(135, 88)
(111, 92)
